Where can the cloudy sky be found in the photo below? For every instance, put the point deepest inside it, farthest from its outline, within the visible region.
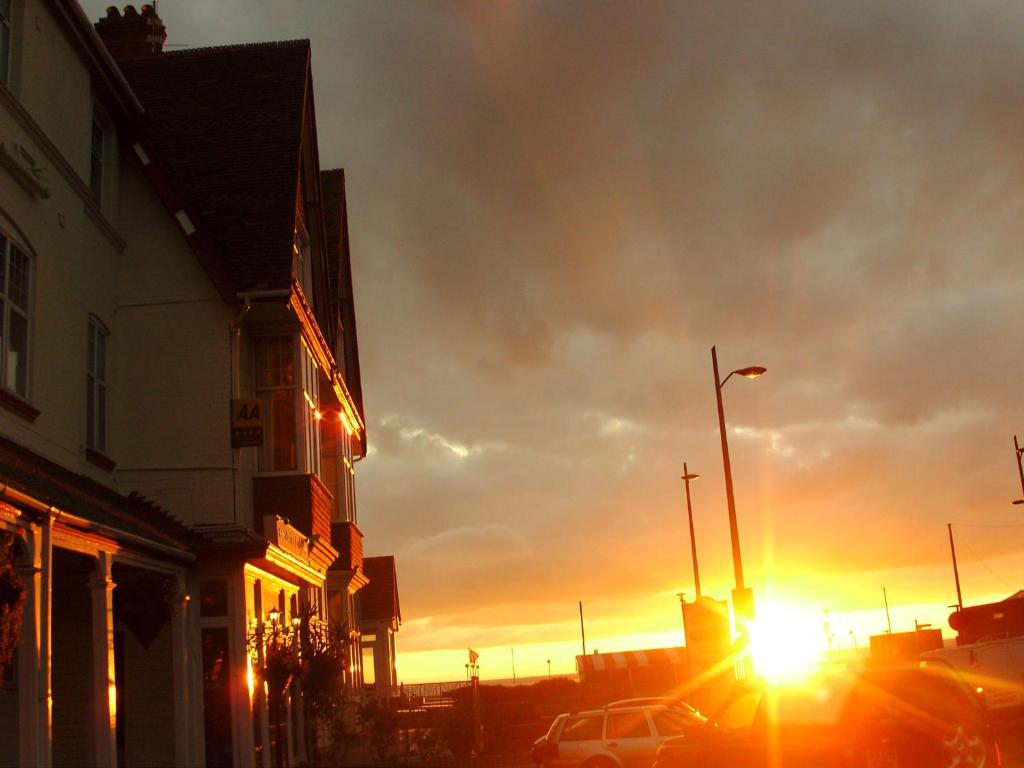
(557, 208)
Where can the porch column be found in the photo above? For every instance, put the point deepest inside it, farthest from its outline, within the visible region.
(182, 660)
(34, 702)
(103, 682)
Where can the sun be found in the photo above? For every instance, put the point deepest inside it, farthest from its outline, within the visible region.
(787, 642)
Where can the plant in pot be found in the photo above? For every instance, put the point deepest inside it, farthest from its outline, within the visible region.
(12, 601)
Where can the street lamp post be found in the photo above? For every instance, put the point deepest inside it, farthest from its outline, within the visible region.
(687, 477)
(1020, 468)
(742, 598)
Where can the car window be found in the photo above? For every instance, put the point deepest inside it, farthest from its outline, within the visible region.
(582, 729)
(555, 724)
(669, 723)
(628, 725)
(925, 691)
(739, 713)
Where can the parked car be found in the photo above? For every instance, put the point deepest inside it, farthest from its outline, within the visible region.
(620, 735)
(996, 667)
(667, 701)
(911, 717)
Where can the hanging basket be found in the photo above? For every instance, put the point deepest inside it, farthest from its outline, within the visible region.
(12, 601)
(279, 668)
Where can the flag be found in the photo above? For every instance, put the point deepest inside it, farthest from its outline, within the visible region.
(473, 656)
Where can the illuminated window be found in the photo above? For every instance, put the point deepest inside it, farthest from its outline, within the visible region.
(303, 263)
(338, 470)
(96, 387)
(310, 409)
(291, 405)
(16, 287)
(275, 384)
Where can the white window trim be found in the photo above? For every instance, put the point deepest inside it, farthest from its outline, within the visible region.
(28, 313)
(303, 365)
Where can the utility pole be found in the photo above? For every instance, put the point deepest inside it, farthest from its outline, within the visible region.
(734, 534)
(888, 621)
(956, 573)
(1020, 468)
(687, 477)
(583, 635)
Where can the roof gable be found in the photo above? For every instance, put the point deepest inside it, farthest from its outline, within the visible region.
(339, 267)
(227, 123)
(378, 600)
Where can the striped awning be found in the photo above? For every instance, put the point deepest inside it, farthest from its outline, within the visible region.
(653, 657)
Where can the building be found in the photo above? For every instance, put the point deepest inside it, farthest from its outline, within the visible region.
(108, 625)
(990, 621)
(890, 647)
(180, 399)
(380, 617)
(258, 453)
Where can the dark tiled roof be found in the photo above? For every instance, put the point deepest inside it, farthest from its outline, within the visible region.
(339, 266)
(227, 123)
(83, 497)
(378, 600)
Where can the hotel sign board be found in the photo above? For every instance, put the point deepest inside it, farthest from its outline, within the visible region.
(246, 422)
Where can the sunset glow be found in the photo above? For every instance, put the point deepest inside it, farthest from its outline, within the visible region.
(787, 641)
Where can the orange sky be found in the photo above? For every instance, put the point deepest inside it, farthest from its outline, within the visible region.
(557, 208)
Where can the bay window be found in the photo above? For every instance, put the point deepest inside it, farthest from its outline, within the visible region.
(287, 383)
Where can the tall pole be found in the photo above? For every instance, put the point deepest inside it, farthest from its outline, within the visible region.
(513, 666)
(888, 621)
(956, 573)
(734, 533)
(583, 635)
(1020, 468)
(687, 477)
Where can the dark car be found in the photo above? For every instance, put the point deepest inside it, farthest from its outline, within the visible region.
(913, 717)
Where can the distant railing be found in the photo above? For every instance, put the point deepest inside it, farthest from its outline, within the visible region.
(420, 696)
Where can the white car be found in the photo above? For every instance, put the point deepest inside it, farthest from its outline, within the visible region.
(616, 736)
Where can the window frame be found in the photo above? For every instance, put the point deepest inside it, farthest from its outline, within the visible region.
(8, 245)
(6, 42)
(97, 408)
(97, 156)
(305, 402)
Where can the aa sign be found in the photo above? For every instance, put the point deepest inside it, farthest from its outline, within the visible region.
(246, 422)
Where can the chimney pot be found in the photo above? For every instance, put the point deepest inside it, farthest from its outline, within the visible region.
(132, 35)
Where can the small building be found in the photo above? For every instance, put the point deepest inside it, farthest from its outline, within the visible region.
(890, 647)
(380, 617)
(991, 621)
(650, 672)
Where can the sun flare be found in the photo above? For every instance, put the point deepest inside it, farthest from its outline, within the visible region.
(787, 642)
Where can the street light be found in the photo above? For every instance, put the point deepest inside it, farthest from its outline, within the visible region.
(1020, 468)
(751, 372)
(686, 478)
(742, 598)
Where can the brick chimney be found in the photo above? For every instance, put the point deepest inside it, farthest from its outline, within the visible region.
(135, 35)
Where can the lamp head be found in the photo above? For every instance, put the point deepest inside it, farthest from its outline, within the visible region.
(689, 476)
(751, 372)
(274, 615)
(1018, 501)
